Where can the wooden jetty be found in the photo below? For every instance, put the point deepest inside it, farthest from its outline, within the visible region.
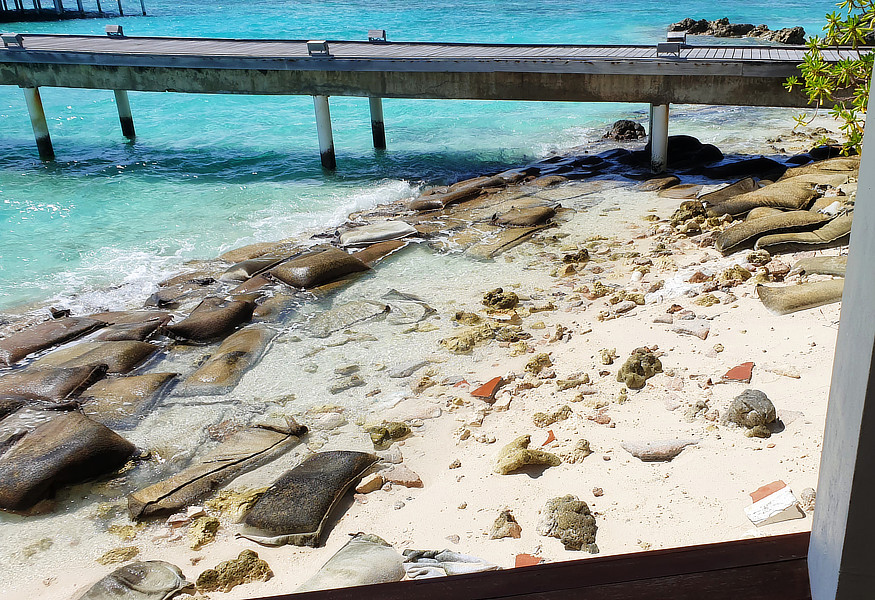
(54, 10)
(660, 75)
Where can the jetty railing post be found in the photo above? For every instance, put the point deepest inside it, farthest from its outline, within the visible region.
(125, 116)
(378, 128)
(143, 6)
(120, 11)
(99, 8)
(81, 8)
(38, 122)
(323, 131)
(59, 6)
(658, 137)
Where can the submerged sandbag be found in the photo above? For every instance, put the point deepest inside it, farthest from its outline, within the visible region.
(119, 357)
(376, 232)
(50, 385)
(131, 331)
(222, 371)
(340, 317)
(69, 448)
(491, 246)
(789, 193)
(839, 164)
(44, 335)
(317, 268)
(730, 191)
(364, 560)
(118, 402)
(238, 454)
(245, 269)
(744, 234)
(834, 233)
(286, 247)
(377, 252)
(406, 309)
(788, 299)
(128, 317)
(294, 509)
(525, 217)
(147, 580)
(10, 404)
(821, 265)
(213, 318)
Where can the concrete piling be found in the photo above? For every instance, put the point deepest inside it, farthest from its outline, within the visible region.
(658, 137)
(38, 122)
(124, 114)
(377, 126)
(323, 131)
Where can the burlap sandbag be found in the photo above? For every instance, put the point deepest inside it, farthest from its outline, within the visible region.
(821, 265)
(791, 298)
(834, 233)
(222, 371)
(44, 335)
(50, 385)
(317, 268)
(789, 194)
(212, 318)
(744, 235)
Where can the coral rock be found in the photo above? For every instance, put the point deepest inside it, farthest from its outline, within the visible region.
(638, 368)
(247, 567)
(658, 450)
(517, 455)
(570, 520)
(505, 526)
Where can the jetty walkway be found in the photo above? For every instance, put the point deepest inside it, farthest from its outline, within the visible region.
(660, 75)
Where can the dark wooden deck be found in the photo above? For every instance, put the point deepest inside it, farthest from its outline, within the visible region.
(771, 568)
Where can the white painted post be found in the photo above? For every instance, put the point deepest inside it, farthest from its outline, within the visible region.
(323, 131)
(378, 128)
(124, 113)
(38, 122)
(658, 137)
(841, 553)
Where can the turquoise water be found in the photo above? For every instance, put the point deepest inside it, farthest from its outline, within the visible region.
(108, 219)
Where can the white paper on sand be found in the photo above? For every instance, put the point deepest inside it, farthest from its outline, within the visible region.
(774, 508)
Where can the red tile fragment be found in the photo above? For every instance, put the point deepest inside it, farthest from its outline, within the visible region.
(551, 437)
(742, 373)
(488, 389)
(527, 560)
(767, 490)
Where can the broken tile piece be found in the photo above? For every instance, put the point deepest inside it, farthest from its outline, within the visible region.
(488, 389)
(742, 373)
(527, 560)
(766, 490)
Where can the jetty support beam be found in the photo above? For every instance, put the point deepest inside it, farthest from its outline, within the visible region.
(658, 137)
(378, 128)
(323, 131)
(841, 554)
(124, 114)
(38, 122)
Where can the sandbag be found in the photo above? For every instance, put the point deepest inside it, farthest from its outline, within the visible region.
(44, 335)
(131, 331)
(294, 509)
(788, 193)
(286, 247)
(245, 269)
(10, 404)
(840, 164)
(119, 357)
(821, 265)
(834, 233)
(317, 268)
(213, 318)
(342, 316)
(118, 402)
(744, 234)
(376, 232)
(377, 252)
(525, 217)
(50, 385)
(730, 191)
(788, 299)
(70, 448)
(147, 580)
(222, 371)
(364, 560)
(503, 240)
(238, 454)
(128, 317)
(763, 211)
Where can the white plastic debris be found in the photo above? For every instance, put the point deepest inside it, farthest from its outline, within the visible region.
(779, 506)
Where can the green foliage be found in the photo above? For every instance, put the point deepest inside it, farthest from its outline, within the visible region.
(842, 86)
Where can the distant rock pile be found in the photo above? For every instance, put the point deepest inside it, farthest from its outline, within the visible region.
(723, 28)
